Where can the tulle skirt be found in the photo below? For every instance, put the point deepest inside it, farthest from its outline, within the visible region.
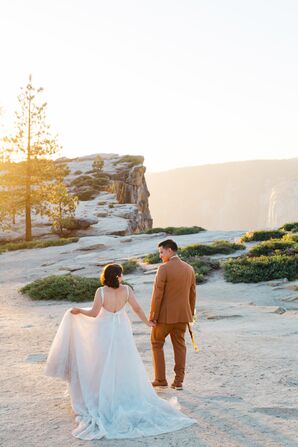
(110, 392)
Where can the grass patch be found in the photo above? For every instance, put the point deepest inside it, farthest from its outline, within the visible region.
(262, 235)
(263, 268)
(175, 230)
(38, 243)
(291, 226)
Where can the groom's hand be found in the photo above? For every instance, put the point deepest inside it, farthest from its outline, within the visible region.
(154, 323)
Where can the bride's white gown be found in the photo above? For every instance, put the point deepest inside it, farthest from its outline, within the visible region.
(110, 392)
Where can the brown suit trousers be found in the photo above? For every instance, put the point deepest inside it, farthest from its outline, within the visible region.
(172, 306)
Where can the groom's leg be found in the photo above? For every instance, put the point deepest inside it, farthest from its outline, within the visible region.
(177, 336)
(158, 336)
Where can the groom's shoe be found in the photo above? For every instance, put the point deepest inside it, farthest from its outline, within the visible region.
(177, 386)
(158, 384)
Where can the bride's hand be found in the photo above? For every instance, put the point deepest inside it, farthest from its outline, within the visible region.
(75, 310)
(151, 324)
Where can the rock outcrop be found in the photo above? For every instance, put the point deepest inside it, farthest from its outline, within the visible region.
(112, 200)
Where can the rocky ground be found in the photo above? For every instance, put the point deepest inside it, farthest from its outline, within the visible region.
(242, 386)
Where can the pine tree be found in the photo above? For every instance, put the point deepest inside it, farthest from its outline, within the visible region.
(34, 146)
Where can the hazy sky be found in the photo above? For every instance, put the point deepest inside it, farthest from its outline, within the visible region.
(182, 82)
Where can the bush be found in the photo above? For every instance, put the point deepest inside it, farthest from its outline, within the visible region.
(291, 226)
(152, 258)
(111, 205)
(38, 243)
(77, 172)
(82, 180)
(97, 180)
(263, 268)
(132, 160)
(203, 267)
(62, 287)
(262, 235)
(216, 247)
(273, 247)
(129, 266)
(175, 230)
(86, 195)
(290, 237)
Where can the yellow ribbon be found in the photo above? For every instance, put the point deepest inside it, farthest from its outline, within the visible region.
(195, 346)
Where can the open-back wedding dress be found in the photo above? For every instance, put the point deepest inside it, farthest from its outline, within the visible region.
(110, 392)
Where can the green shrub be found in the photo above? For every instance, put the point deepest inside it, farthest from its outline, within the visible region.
(38, 243)
(291, 226)
(152, 258)
(132, 160)
(82, 180)
(175, 230)
(78, 172)
(262, 235)
(129, 266)
(202, 267)
(111, 205)
(264, 268)
(216, 247)
(63, 287)
(290, 237)
(95, 182)
(272, 247)
(83, 196)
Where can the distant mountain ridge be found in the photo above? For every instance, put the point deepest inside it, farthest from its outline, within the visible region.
(239, 195)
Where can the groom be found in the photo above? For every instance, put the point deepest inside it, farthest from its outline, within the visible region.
(172, 308)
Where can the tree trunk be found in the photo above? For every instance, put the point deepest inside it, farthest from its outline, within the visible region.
(28, 235)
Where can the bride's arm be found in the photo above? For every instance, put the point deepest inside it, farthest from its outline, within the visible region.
(137, 308)
(97, 303)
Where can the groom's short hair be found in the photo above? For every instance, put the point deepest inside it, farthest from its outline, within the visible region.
(169, 243)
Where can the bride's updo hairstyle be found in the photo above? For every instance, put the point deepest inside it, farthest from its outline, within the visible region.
(109, 275)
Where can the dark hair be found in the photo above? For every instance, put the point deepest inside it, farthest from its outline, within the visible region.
(169, 243)
(109, 275)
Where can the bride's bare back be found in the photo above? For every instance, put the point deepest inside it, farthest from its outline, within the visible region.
(115, 299)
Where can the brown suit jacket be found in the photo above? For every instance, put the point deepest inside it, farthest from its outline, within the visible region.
(174, 292)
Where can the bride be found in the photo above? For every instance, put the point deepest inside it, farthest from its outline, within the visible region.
(95, 352)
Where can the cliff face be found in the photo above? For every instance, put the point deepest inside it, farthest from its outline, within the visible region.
(133, 189)
(229, 196)
(112, 200)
